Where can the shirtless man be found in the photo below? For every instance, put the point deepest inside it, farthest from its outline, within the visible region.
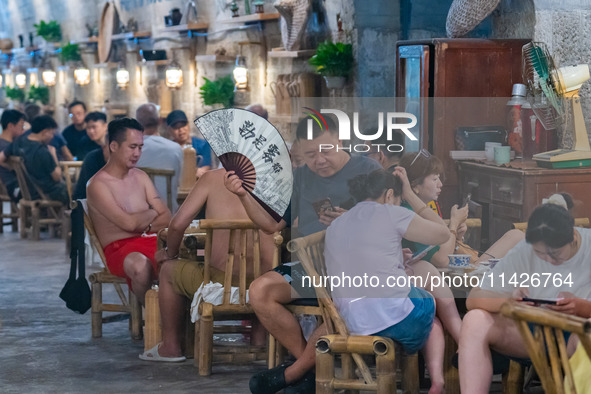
(180, 279)
(123, 205)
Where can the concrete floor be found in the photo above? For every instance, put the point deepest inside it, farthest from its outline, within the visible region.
(46, 348)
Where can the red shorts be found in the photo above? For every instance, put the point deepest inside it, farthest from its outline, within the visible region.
(117, 251)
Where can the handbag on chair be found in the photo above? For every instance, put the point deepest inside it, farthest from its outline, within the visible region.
(76, 292)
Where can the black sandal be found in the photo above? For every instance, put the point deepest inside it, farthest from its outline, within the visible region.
(269, 381)
(306, 385)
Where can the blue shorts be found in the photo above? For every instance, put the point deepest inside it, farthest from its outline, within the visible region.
(412, 332)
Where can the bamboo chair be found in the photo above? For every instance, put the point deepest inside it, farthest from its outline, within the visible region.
(579, 222)
(32, 223)
(13, 215)
(168, 174)
(204, 328)
(310, 251)
(546, 345)
(129, 306)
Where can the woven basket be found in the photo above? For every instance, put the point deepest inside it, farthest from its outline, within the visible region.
(465, 15)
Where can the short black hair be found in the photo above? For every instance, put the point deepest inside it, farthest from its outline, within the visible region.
(95, 117)
(41, 123)
(118, 128)
(551, 224)
(75, 103)
(373, 185)
(11, 116)
(32, 110)
(317, 131)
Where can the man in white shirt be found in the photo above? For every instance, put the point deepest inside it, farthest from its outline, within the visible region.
(159, 152)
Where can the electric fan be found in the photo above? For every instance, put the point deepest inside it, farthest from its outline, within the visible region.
(549, 89)
(253, 148)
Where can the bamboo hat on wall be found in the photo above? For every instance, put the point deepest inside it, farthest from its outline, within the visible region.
(465, 15)
(109, 24)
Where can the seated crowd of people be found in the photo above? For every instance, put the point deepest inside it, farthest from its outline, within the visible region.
(383, 210)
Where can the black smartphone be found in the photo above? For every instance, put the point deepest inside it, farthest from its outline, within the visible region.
(548, 301)
(466, 200)
(322, 206)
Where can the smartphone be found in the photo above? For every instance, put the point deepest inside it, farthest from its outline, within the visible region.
(547, 301)
(420, 254)
(322, 206)
(466, 200)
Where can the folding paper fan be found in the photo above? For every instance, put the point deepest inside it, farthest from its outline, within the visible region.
(253, 148)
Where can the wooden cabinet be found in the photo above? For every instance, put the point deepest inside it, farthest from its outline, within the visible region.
(447, 83)
(510, 194)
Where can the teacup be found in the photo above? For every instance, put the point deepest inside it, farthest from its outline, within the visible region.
(459, 260)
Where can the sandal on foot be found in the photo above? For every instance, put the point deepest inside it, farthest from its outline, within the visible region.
(306, 385)
(269, 381)
(153, 355)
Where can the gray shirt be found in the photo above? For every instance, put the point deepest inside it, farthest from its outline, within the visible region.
(161, 153)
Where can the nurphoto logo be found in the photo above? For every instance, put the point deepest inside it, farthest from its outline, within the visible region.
(392, 123)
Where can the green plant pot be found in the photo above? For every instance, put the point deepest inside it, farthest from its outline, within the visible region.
(335, 82)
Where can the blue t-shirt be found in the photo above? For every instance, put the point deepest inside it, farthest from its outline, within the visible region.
(203, 151)
(58, 142)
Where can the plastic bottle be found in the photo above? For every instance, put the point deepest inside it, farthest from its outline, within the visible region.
(514, 124)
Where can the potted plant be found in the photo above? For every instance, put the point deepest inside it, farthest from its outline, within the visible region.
(15, 94)
(220, 91)
(39, 93)
(334, 61)
(70, 52)
(50, 32)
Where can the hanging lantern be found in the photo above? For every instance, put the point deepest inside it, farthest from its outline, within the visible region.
(21, 80)
(122, 77)
(49, 77)
(82, 75)
(33, 77)
(174, 76)
(241, 73)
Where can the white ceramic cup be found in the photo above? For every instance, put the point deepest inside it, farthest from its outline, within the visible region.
(489, 150)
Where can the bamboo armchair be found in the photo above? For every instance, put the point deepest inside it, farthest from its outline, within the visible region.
(32, 223)
(546, 345)
(310, 251)
(129, 306)
(168, 174)
(13, 215)
(204, 328)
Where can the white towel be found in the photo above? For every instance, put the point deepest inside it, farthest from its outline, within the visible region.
(214, 294)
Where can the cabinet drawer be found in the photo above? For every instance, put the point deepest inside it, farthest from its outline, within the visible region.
(477, 184)
(508, 212)
(507, 189)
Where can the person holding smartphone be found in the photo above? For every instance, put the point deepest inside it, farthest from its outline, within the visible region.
(372, 232)
(554, 249)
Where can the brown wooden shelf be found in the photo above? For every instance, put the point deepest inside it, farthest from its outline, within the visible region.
(215, 58)
(87, 40)
(187, 27)
(131, 35)
(280, 53)
(252, 18)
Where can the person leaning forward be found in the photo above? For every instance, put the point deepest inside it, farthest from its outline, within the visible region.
(126, 209)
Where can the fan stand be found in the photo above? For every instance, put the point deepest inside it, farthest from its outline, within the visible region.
(580, 155)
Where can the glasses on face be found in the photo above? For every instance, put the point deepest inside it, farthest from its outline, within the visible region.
(423, 152)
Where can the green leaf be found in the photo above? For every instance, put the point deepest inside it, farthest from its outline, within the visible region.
(70, 52)
(15, 94)
(220, 91)
(39, 93)
(333, 60)
(50, 32)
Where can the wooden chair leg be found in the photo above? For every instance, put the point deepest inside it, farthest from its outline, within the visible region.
(35, 226)
(135, 317)
(14, 211)
(324, 372)
(386, 370)
(188, 343)
(197, 343)
(450, 373)
(348, 368)
(97, 310)
(513, 378)
(271, 351)
(1, 217)
(410, 373)
(205, 340)
(23, 219)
